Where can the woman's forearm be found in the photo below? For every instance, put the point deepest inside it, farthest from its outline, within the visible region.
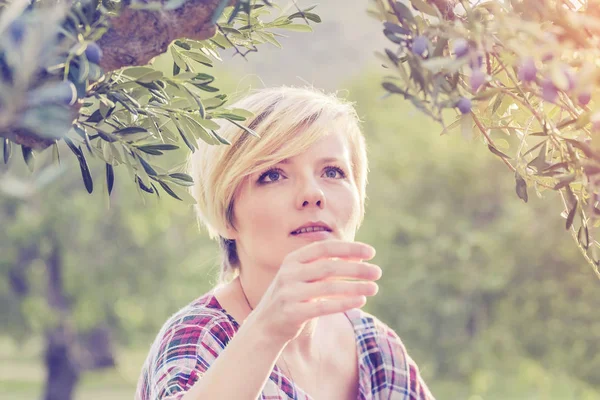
(242, 368)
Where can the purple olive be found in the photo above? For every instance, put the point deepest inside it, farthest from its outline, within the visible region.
(477, 79)
(527, 70)
(420, 44)
(93, 52)
(17, 31)
(464, 105)
(70, 93)
(549, 91)
(476, 61)
(461, 48)
(63, 92)
(584, 98)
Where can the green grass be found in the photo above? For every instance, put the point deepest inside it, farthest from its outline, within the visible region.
(23, 378)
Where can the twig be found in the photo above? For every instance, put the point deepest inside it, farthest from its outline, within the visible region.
(489, 140)
(254, 49)
(591, 261)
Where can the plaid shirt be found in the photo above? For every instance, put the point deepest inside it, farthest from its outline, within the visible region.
(192, 339)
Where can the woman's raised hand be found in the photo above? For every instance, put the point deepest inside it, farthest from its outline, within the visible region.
(324, 277)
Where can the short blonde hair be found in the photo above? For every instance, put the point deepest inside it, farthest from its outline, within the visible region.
(288, 120)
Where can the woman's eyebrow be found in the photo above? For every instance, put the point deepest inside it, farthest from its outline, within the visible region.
(324, 160)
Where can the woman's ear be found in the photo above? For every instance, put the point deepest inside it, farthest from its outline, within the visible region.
(230, 233)
(229, 230)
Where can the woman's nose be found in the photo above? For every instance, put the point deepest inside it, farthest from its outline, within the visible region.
(311, 195)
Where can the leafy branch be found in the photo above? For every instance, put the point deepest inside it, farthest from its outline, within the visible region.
(535, 109)
(126, 116)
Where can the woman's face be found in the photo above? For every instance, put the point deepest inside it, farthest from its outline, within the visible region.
(314, 188)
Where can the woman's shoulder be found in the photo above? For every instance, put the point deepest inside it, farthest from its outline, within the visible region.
(200, 326)
(392, 371)
(368, 324)
(371, 333)
(204, 315)
(188, 342)
(202, 311)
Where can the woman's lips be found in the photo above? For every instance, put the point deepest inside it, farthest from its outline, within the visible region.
(317, 235)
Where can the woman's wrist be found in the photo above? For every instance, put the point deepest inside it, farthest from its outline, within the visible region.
(262, 335)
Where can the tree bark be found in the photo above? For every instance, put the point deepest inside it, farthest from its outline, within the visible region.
(136, 36)
(68, 353)
(62, 370)
(61, 365)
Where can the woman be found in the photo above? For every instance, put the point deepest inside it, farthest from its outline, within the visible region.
(285, 320)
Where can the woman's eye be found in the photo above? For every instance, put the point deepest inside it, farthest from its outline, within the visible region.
(334, 173)
(270, 176)
(273, 176)
(331, 173)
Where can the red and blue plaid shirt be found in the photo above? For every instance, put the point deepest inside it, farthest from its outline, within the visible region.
(192, 339)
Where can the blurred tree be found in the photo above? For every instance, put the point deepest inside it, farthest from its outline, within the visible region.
(82, 275)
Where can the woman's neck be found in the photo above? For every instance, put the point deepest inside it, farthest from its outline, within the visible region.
(306, 345)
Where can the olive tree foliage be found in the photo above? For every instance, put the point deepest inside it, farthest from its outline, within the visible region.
(81, 72)
(523, 78)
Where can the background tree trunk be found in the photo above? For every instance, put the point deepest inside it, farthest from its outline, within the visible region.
(61, 364)
(62, 370)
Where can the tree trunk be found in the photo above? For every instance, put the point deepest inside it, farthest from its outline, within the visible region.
(62, 371)
(134, 37)
(61, 364)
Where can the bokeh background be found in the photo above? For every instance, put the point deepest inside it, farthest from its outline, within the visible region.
(489, 294)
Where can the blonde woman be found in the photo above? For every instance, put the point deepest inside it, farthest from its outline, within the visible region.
(285, 321)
